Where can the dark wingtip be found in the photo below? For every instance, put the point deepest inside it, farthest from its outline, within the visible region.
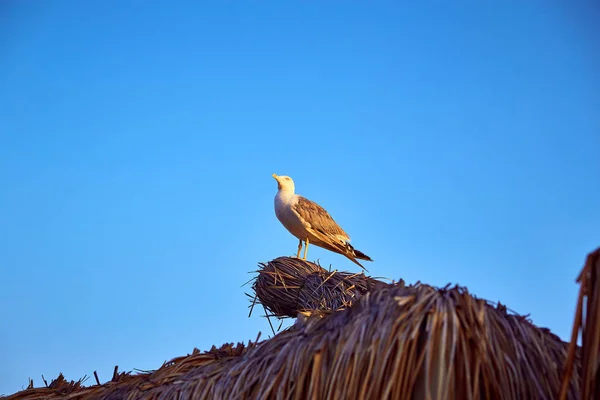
(359, 254)
(362, 256)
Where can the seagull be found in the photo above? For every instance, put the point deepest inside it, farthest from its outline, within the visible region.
(311, 223)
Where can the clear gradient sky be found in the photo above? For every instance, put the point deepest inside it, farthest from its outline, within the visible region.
(455, 144)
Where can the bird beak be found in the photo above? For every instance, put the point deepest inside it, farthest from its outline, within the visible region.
(277, 179)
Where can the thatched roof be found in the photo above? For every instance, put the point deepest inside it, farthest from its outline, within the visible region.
(360, 338)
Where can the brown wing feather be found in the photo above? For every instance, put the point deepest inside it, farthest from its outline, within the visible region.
(318, 218)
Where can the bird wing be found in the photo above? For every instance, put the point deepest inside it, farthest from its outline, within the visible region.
(318, 219)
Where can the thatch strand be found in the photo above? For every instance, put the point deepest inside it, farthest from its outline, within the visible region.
(587, 321)
(377, 340)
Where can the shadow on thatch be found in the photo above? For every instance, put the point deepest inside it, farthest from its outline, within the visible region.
(362, 338)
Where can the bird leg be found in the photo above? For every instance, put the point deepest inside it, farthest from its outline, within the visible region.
(305, 249)
(299, 248)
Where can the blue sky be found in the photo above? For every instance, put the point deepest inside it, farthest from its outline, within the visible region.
(455, 144)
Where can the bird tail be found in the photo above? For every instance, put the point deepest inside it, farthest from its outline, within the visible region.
(341, 247)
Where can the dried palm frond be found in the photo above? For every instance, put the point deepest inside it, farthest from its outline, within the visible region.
(587, 321)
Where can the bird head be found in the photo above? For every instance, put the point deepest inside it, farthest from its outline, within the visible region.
(284, 182)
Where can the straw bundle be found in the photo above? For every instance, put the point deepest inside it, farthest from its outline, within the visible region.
(287, 286)
(588, 323)
(385, 341)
